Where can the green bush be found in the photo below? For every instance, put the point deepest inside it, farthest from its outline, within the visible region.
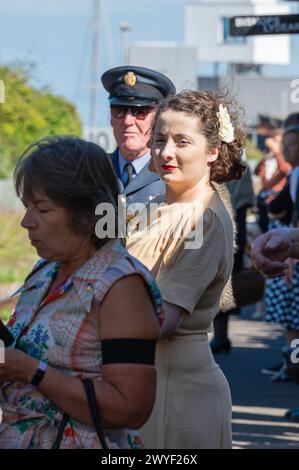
(29, 114)
(17, 256)
(5, 314)
(252, 152)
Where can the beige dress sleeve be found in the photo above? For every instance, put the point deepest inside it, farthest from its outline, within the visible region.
(188, 273)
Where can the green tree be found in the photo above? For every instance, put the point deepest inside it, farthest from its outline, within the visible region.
(28, 114)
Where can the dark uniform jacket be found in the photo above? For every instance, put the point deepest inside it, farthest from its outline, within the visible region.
(144, 187)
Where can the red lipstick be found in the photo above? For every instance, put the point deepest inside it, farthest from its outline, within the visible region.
(168, 167)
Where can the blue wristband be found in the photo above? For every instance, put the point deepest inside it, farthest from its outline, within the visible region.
(39, 374)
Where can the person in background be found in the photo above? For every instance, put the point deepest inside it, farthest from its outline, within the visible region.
(272, 249)
(134, 93)
(281, 301)
(87, 310)
(196, 146)
(273, 171)
(271, 252)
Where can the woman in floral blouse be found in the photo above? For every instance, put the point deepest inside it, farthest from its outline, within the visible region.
(87, 310)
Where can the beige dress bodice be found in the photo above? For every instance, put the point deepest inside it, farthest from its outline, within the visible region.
(193, 403)
(195, 276)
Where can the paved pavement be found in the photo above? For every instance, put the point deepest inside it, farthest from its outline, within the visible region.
(259, 405)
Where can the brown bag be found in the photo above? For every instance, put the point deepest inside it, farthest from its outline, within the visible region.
(248, 287)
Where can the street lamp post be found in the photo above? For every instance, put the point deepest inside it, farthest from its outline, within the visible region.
(125, 28)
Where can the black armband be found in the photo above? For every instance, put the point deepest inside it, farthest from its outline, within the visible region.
(130, 351)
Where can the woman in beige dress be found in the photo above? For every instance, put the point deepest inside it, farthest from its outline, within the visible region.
(188, 246)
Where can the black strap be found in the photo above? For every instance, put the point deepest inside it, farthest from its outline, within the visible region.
(62, 425)
(94, 410)
(5, 335)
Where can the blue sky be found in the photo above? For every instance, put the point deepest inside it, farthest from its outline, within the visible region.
(56, 35)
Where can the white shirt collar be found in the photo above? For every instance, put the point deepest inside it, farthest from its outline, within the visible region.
(138, 163)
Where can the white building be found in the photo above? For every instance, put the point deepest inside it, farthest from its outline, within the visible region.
(209, 47)
(275, 97)
(102, 136)
(207, 23)
(176, 61)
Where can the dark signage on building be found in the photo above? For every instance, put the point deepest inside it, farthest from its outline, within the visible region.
(259, 25)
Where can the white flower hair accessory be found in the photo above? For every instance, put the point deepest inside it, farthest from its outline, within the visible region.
(226, 129)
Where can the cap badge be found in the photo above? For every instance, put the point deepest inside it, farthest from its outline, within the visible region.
(130, 79)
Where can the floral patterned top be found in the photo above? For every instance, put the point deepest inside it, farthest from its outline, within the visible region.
(62, 329)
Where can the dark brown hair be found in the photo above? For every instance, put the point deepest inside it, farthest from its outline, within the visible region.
(291, 124)
(291, 120)
(75, 174)
(205, 106)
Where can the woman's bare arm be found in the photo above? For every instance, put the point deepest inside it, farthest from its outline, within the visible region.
(126, 393)
(173, 317)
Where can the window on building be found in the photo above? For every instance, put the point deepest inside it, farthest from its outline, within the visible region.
(245, 69)
(227, 38)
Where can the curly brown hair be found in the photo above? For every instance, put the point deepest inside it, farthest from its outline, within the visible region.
(205, 106)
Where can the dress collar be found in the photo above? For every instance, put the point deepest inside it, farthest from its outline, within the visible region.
(83, 280)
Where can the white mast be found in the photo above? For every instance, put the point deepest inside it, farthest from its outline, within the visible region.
(94, 64)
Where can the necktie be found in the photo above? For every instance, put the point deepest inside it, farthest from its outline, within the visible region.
(129, 168)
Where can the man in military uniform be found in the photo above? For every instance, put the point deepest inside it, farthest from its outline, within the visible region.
(134, 93)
